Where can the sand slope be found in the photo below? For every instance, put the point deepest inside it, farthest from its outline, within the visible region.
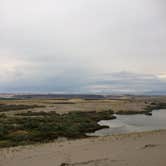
(143, 149)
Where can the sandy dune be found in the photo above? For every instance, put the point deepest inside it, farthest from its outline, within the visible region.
(140, 149)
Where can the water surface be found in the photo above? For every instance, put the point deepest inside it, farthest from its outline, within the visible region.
(133, 123)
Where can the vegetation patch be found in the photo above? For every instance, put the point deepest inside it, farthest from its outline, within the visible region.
(64, 102)
(156, 106)
(34, 127)
(40, 113)
(14, 107)
(123, 112)
(147, 110)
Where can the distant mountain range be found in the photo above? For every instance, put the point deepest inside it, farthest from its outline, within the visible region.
(70, 96)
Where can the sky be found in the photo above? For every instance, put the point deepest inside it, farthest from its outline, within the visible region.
(83, 46)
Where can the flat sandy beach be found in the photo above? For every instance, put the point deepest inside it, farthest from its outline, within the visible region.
(137, 149)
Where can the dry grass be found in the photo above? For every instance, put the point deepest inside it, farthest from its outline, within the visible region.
(125, 103)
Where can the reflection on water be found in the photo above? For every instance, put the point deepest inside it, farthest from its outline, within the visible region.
(133, 123)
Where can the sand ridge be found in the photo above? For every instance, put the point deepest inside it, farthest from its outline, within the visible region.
(148, 148)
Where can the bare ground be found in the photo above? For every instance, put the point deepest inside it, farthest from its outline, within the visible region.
(137, 149)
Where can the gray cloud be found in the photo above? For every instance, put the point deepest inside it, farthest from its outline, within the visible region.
(128, 83)
(113, 83)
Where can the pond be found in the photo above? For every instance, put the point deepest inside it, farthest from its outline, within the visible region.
(132, 123)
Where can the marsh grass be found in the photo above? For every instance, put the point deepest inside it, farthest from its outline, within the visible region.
(147, 111)
(35, 127)
(15, 107)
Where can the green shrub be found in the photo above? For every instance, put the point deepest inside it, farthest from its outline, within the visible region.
(27, 129)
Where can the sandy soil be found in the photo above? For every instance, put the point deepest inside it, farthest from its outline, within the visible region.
(139, 149)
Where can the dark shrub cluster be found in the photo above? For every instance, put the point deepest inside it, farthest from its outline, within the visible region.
(32, 127)
(14, 107)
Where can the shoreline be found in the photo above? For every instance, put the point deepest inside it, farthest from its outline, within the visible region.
(33, 119)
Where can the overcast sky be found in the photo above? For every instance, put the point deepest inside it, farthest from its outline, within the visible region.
(83, 46)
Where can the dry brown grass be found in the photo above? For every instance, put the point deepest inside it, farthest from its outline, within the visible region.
(125, 103)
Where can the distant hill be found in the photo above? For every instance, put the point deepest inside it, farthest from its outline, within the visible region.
(58, 96)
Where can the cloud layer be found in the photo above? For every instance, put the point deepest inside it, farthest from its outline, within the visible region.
(82, 46)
